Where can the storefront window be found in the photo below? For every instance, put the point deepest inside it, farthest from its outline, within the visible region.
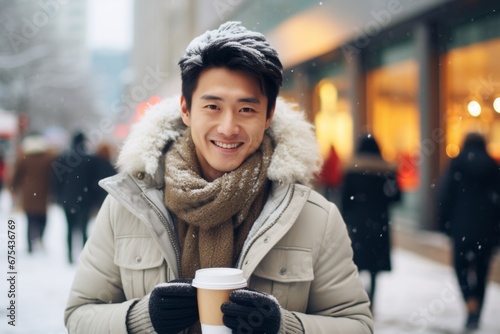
(393, 117)
(333, 119)
(471, 96)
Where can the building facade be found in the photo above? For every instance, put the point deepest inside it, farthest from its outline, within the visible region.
(419, 76)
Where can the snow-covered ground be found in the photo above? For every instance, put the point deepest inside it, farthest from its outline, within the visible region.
(418, 296)
(422, 296)
(43, 278)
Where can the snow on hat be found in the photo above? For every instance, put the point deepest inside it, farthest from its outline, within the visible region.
(231, 33)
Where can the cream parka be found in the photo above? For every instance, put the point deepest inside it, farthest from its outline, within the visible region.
(298, 249)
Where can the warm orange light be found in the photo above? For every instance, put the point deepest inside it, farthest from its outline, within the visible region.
(474, 108)
(333, 123)
(394, 118)
(305, 36)
(452, 150)
(496, 105)
(469, 73)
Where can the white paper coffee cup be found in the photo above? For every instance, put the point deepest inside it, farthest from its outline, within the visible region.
(213, 288)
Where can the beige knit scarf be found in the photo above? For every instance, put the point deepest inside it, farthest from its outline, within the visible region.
(214, 218)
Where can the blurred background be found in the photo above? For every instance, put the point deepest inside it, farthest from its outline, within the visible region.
(419, 75)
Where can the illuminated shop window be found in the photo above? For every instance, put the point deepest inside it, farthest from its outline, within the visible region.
(471, 95)
(333, 119)
(393, 117)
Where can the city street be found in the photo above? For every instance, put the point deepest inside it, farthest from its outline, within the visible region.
(418, 296)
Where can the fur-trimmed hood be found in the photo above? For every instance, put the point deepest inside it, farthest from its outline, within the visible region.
(296, 156)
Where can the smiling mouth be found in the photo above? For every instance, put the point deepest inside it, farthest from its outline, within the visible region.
(225, 145)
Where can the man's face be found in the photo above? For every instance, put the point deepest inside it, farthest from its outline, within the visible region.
(227, 119)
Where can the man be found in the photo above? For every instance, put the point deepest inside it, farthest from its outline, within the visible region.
(222, 182)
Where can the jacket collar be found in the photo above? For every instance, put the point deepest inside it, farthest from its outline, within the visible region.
(295, 159)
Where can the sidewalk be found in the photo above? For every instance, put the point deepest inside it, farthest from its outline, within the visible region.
(43, 278)
(422, 296)
(437, 247)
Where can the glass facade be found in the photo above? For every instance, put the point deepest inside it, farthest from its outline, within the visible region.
(471, 85)
(392, 110)
(332, 117)
(418, 88)
(321, 86)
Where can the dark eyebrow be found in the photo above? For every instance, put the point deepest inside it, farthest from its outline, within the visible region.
(211, 98)
(251, 99)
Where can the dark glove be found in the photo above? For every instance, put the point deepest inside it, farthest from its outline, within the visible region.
(173, 306)
(250, 311)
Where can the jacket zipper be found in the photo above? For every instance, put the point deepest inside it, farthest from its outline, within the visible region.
(173, 240)
(268, 227)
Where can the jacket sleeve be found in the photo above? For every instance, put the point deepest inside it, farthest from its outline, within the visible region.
(96, 302)
(338, 303)
(15, 182)
(445, 199)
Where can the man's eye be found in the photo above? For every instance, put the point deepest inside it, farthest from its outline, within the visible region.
(212, 107)
(247, 110)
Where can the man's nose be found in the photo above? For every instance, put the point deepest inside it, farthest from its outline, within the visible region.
(228, 125)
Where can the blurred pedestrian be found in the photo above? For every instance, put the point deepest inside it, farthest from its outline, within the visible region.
(74, 175)
(330, 177)
(369, 188)
(2, 169)
(31, 181)
(469, 211)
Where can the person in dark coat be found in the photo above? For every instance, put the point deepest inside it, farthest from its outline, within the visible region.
(469, 211)
(103, 169)
(31, 181)
(368, 190)
(74, 178)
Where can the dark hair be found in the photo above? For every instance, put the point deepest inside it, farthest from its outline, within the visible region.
(368, 145)
(78, 140)
(234, 47)
(474, 141)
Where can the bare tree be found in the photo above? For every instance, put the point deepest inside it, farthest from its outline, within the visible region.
(37, 77)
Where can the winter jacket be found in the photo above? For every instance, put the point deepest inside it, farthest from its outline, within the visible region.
(368, 190)
(74, 177)
(31, 176)
(298, 249)
(469, 196)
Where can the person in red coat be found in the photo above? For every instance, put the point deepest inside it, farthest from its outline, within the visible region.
(330, 176)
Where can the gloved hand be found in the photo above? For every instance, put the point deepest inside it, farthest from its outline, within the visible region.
(251, 311)
(173, 306)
